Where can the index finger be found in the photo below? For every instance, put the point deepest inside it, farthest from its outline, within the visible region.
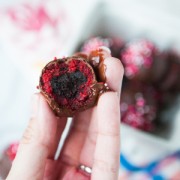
(107, 151)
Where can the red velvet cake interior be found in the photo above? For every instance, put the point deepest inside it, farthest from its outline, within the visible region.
(68, 82)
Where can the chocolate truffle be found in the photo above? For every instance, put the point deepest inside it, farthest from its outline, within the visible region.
(137, 57)
(115, 44)
(139, 106)
(73, 84)
(94, 43)
(170, 81)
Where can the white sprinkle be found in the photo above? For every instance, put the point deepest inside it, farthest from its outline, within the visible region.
(88, 170)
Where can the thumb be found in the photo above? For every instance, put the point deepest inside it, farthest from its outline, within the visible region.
(34, 147)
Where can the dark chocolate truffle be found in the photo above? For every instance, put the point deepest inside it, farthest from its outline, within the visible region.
(70, 84)
(139, 106)
(138, 57)
(170, 81)
(115, 44)
(94, 43)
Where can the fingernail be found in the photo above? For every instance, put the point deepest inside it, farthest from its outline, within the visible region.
(35, 105)
(105, 49)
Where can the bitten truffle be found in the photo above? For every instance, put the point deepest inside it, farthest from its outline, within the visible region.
(73, 84)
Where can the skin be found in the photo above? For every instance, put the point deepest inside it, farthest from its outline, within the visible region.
(93, 140)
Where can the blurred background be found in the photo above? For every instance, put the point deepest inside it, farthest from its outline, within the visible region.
(144, 34)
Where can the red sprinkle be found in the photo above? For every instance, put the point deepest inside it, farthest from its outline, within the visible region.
(12, 150)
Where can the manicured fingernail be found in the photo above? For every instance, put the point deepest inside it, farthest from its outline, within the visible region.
(105, 49)
(35, 105)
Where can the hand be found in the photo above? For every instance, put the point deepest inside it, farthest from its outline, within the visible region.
(93, 140)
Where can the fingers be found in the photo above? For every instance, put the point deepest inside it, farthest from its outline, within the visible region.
(71, 151)
(80, 127)
(61, 123)
(38, 142)
(107, 152)
(80, 144)
(75, 139)
(114, 75)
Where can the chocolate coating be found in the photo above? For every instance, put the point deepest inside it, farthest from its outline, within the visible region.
(70, 92)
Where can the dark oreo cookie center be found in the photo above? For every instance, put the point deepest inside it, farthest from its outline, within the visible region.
(67, 85)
